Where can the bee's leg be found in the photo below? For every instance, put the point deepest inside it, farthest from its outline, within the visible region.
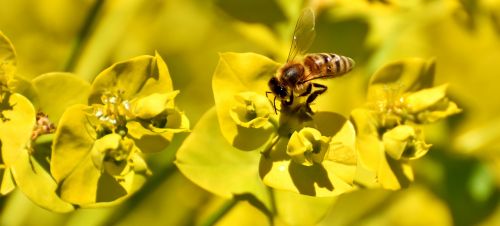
(308, 90)
(316, 93)
(272, 102)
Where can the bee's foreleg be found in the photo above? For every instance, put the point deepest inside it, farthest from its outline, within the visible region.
(316, 93)
(272, 102)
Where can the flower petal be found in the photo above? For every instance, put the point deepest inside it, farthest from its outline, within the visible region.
(137, 77)
(16, 125)
(208, 160)
(70, 88)
(152, 105)
(333, 176)
(400, 77)
(73, 141)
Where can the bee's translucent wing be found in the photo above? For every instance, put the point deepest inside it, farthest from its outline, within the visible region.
(303, 35)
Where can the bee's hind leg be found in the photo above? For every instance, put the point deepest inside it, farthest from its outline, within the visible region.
(316, 93)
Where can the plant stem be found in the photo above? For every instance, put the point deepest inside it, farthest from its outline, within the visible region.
(272, 196)
(221, 212)
(83, 35)
(269, 146)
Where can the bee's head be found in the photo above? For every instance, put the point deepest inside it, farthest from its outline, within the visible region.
(277, 88)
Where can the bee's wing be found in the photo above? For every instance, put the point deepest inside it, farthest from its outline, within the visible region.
(303, 34)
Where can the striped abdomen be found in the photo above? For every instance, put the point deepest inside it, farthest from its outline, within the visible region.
(327, 64)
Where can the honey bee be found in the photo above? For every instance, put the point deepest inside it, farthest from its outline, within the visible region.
(295, 77)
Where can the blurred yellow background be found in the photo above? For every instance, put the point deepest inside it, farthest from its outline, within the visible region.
(457, 183)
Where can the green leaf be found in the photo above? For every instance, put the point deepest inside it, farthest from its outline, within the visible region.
(16, 126)
(73, 141)
(137, 77)
(237, 73)
(70, 88)
(332, 177)
(208, 160)
(400, 77)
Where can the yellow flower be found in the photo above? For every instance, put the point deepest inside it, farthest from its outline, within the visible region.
(251, 110)
(389, 135)
(293, 143)
(131, 111)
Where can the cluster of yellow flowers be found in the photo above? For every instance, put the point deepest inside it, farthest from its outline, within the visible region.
(97, 133)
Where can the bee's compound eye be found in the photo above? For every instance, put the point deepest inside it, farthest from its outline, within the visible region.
(277, 88)
(282, 92)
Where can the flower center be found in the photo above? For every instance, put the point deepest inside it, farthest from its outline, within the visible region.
(112, 114)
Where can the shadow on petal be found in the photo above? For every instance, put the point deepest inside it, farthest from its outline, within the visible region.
(304, 178)
(108, 189)
(328, 123)
(153, 143)
(399, 172)
(255, 202)
(248, 139)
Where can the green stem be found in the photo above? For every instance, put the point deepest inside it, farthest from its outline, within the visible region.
(221, 212)
(269, 146)
(83, 35)
(47, 138)
(272, 195)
